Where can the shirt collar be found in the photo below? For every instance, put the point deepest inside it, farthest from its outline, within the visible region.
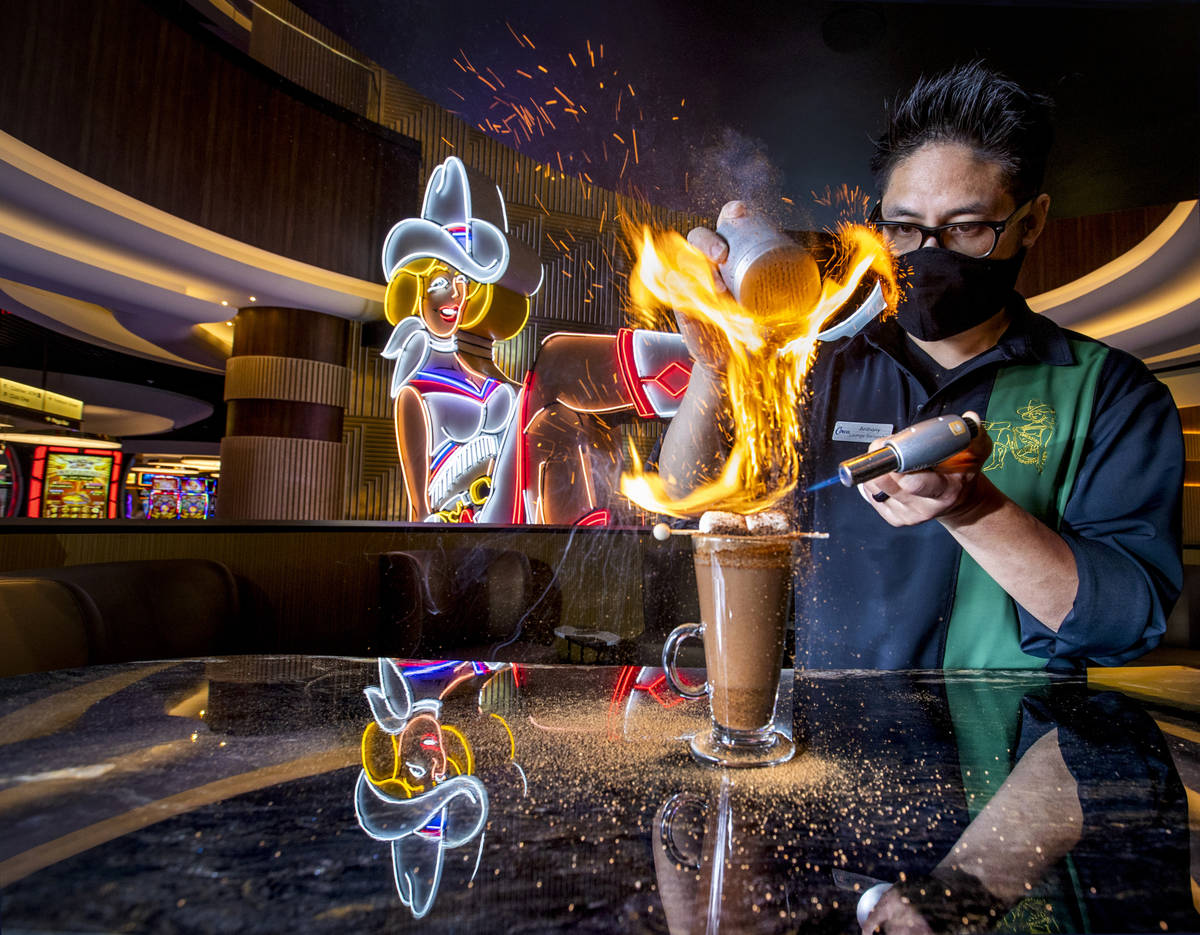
(1033, 337)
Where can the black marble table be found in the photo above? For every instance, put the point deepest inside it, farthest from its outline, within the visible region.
(297, 794)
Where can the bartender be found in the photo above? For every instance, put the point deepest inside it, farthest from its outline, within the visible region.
(1053, 541)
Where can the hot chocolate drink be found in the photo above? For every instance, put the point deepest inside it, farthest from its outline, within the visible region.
(744, 582)
(744, 585)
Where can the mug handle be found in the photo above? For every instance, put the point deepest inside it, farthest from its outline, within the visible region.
(666, 828)
(671, 650)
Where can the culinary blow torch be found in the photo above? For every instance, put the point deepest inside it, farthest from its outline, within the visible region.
(915, 448)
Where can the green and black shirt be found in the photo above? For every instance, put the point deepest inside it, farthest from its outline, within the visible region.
(1084, 437)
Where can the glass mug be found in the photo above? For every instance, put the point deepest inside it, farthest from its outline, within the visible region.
(745, 586)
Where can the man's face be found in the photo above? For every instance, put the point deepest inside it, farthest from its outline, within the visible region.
(942, 183)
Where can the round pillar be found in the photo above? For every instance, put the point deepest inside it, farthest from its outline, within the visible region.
(286, 386)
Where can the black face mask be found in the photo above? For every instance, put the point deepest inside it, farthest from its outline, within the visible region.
(945, 293)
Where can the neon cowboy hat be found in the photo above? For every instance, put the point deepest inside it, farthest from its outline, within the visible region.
(463, 223)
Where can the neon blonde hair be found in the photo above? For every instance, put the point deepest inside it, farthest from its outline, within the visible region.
(490, 310)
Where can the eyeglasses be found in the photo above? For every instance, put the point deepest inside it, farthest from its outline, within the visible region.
(972, 238)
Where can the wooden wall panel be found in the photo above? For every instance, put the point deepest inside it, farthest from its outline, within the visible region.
(1191, 517)
(374, 480)
(374, 486)
(281, 478)
(1072, 247)
(296, 46)
(1190, 418)
(515, 357)
(269, 377)
(370, 378)
(160, 110)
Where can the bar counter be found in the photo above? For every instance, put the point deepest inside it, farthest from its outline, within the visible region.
(326, 794)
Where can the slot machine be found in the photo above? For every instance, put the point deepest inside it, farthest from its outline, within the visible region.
(74, 483)
(193, 498)
(164, 497)
(11, 481)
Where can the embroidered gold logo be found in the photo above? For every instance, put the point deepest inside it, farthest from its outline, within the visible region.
(1026, 441)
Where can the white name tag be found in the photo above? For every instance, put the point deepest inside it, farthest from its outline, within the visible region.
(860, 431)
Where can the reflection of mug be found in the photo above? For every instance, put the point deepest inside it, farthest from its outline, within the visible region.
(718, 869)
(744, 585)
(680, 825)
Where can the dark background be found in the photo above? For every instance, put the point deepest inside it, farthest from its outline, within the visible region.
(780, 99)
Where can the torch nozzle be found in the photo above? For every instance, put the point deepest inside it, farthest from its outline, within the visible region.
(859, 470)
(915, 448)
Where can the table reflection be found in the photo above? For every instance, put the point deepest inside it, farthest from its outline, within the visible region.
(1000, 803)
(314, 794)
(418, 788)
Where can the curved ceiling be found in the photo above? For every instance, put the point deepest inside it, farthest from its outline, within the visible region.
(96, 262)
(127, 409)
(1146, 301)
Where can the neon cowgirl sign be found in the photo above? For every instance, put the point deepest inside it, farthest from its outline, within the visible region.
(474, 446)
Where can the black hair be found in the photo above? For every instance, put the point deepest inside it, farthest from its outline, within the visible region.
(977, 107)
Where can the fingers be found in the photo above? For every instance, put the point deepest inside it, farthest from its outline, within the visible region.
(879, 492)
(941, 491)
(896, 918)
(909, 499)
(923, 484)
(703, 342)
(732, 209)
(710, 243)
(714, 248)
(927, 484)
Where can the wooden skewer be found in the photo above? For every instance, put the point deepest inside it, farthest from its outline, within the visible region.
(662, 532)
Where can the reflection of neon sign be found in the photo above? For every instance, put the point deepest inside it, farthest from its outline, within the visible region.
(412, 801)
(634, 683)
(649, 680)
(445, 667)
(417, 789)
(660, 692)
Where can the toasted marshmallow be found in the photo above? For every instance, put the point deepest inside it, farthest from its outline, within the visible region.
(768, 523)
(723, 524)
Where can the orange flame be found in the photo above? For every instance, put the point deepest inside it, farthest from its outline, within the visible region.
(766, 354)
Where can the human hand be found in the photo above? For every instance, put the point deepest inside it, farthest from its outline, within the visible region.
(712, 244)
(702, 341)
(895, 915)
(950, 492)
